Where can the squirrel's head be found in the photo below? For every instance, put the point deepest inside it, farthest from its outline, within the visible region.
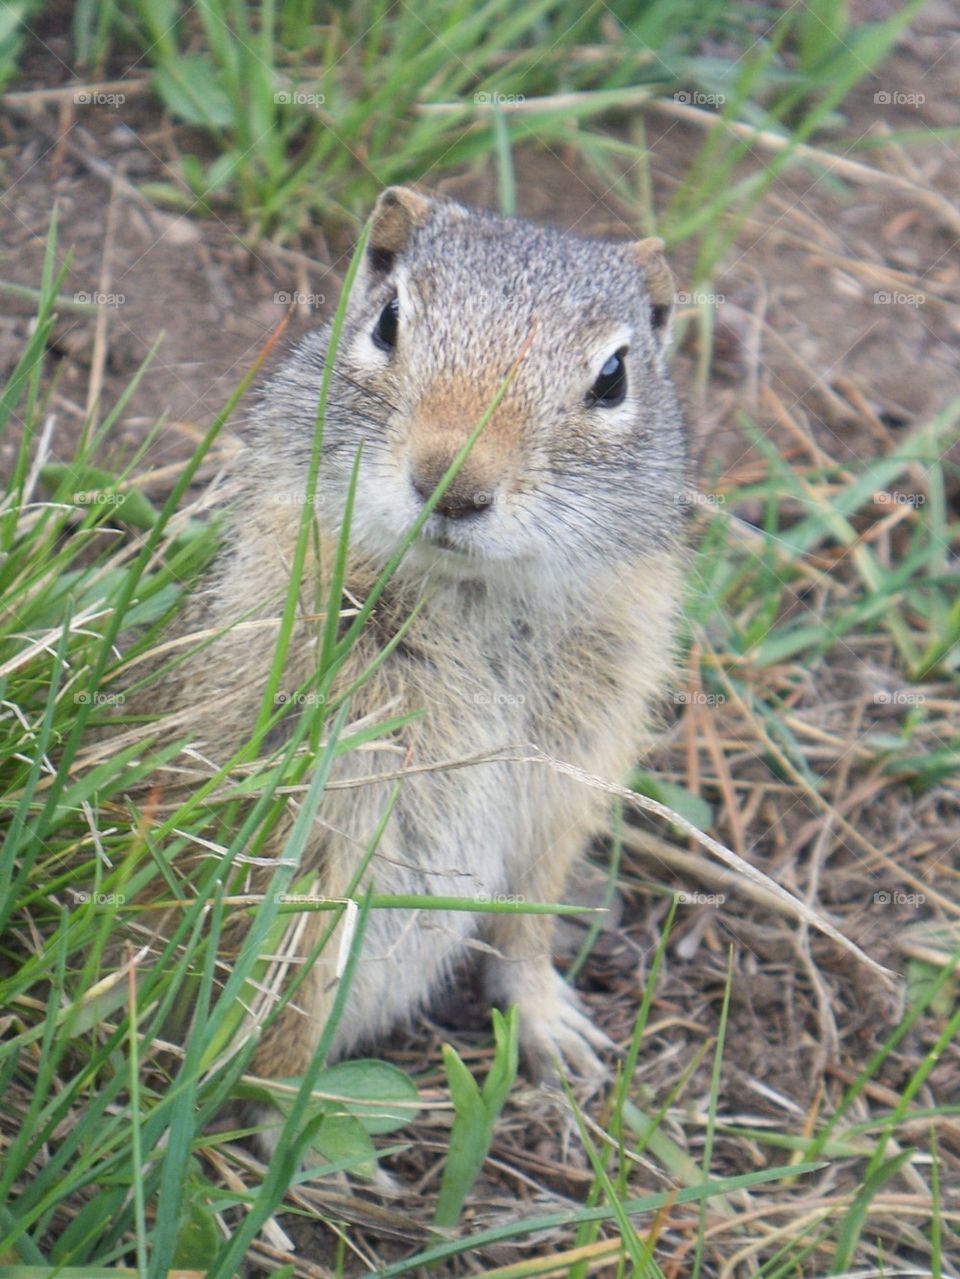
(581, 461)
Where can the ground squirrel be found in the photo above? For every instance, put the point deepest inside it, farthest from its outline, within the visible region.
(547, 583)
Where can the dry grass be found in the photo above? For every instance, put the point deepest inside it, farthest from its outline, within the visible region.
(817, 716)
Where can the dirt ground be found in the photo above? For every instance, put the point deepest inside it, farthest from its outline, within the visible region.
(796, 313)
(838, 317)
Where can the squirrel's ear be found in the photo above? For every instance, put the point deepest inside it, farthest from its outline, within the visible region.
(396, 215)
(660, 286)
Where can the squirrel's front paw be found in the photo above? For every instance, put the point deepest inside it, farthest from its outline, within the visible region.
(554, 1029)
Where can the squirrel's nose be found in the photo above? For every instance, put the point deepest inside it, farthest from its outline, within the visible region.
(462, 498)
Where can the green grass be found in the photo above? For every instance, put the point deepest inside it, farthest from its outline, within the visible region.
(751, 613)
(76, 857)
(15, 16)
(302, 111)
(113, 1167)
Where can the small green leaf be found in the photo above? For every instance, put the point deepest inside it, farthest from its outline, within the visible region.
(90, 486)
(476, 1114)
(194, 174)
(379, 1095)
(920, 978)
(503, 1072)
(167, 194)
(469, 1140)
(221, 172)
(190, 88)
(692, 807)
(198, 1240)
(341, 1139)
(11, 15)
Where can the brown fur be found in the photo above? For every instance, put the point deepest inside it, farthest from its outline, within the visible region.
(546, 618)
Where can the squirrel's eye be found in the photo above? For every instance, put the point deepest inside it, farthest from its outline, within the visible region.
(385, 331)
(610, 388)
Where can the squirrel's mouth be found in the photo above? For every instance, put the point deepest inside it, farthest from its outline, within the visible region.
(447, 551)
(446, 535)
(443, 542)
(460, 547)
(442, 550)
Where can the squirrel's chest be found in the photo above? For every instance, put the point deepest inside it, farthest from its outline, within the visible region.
(479, 691)
(473, 806)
